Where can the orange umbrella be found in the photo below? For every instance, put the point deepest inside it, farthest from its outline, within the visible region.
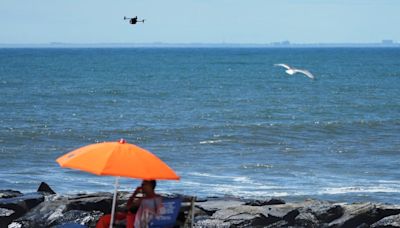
(118, 159)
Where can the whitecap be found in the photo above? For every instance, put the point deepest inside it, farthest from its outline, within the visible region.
(359, 189)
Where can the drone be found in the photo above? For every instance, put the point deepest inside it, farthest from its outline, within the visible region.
(133, 20)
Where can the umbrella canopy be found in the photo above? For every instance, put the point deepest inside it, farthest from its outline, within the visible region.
(118, 159)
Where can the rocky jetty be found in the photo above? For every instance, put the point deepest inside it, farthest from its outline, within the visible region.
(45, 208)
(308, 213)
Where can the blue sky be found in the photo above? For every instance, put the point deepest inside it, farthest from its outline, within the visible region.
(199, 21)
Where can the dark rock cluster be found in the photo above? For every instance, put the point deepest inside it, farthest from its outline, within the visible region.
(308, 213)
(44, 208)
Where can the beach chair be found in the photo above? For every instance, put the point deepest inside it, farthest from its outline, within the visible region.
(167, 217)
(168, 214)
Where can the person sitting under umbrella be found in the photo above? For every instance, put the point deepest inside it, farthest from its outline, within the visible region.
(139, 210)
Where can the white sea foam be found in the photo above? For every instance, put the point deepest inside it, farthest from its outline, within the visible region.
(205, 175)
(356, 189)
(240, 179)
(390, 182)
(254, 192)
(258, 165)
(213, 141)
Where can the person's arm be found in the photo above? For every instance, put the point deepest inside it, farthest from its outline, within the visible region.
(131, 199)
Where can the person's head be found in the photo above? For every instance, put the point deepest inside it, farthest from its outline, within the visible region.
(148, 186)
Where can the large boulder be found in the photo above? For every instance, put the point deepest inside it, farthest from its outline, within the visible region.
(15, 207)
(390, 221)
(314, 213)
(86, 218)
(9, 193)
(272, 201)
(57, 210)
(90, 202)
(14, 204)
(213, 205)
(364, 214)
(234, 214)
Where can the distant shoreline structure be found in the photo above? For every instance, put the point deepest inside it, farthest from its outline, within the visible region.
(284, 44)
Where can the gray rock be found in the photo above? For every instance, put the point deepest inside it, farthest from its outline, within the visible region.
(286, 211)
(364, 214)
(309, 213)
(5, 212)
(245, 216)
(20, 205)
(314, 213)
(212, 223)
(9, 193)
(81, 217)
(271, 201)
(351, 215)
(238, 215)
(211, 206)
(390, 221)
(45, 213)
(306, 219)
(90, 202)
(56, 210)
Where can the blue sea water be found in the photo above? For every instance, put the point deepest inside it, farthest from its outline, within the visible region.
(226, 120)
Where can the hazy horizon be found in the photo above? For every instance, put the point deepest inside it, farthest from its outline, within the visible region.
(190, 21)
(284, 44)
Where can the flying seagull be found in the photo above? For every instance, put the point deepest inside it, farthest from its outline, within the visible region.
(291, 70)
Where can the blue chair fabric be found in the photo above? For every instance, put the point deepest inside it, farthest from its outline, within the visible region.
(169, 213)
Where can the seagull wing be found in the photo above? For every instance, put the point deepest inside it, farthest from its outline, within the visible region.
(283, 65)
(305, 72)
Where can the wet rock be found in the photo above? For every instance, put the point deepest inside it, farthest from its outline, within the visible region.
(309, 213)
(287, 211)
(245, 216)
(315, 212)
(81, 217)
(390, 221)
(90, 202)
(45, 213)
(272, 201)
(364, 213)
(9, 194)
(5, 212)
(305, 219)
(253, 216)
(379, 212)
(211, 206)
(56, 210)
(352, 215)
(329, 213)
(19, 205)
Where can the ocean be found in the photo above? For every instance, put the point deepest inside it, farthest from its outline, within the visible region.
(225, 119)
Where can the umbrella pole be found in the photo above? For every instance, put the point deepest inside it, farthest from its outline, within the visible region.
(114, 202)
